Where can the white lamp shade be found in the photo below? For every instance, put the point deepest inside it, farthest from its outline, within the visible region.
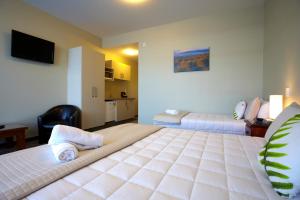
(276, 105)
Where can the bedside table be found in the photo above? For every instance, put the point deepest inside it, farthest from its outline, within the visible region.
(257, 128)
(15, 130)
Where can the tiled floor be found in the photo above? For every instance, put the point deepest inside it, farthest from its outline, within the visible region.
(9, 147)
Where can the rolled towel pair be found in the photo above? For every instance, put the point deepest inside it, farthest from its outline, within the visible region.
(66, 141)
(83, 140)
(172, 112)
(64, 152)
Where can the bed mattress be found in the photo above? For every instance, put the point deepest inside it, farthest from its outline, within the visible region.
(171, 164)
(210, 123)
(26, 171)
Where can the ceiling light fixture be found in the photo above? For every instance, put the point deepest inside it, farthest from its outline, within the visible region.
(134, 1)
(130, 52)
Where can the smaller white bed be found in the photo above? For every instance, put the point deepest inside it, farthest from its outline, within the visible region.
(209, 123)
(216, 123)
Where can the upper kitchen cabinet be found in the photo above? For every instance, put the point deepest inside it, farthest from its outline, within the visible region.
(121, 70)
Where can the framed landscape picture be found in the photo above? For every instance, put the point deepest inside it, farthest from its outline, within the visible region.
(191, 60)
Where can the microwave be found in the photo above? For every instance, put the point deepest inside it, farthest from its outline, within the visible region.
(109, 73)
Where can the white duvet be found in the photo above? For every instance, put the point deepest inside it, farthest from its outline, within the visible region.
(171, 164)
(210, 123)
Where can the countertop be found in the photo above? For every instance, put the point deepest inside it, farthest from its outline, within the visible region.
(115, 99)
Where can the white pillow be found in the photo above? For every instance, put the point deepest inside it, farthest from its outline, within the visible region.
(252, 109)
(287, 113)
(239, 110)
(280, 157)
(264, 110)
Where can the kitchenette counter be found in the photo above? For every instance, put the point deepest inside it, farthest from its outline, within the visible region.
(115, 99)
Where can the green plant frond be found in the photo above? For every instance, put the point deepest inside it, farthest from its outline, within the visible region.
(276, 137)
(284, 186)
(289, 123)
(292, 120)
(262, 153)
(281, 130)
(276, 146)
(277, 174)
(276, 165)
(275, 154)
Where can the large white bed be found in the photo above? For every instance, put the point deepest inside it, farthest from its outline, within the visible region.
(166, 164)
(209, 123)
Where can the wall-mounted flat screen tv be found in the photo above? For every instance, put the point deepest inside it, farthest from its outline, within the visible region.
(31, 48)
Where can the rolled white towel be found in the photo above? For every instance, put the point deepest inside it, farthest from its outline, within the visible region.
(172, 112)
(80, 138)
(64, 152)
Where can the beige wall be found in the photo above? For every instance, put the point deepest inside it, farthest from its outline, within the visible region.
(282, 48)
(236, 63)
(30, 88)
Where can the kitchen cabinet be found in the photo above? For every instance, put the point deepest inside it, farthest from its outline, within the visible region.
(120, 109)
(110, 111)
(124, 109)
(121, 70)
(85, 85)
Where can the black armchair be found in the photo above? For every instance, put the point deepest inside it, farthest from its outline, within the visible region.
(63, 114)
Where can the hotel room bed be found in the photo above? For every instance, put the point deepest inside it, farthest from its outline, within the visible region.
(166, 164)
(208, 122)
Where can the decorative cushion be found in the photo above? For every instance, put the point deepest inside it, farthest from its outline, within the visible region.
(239, 110)
(280, 158)
(252, 109)
(287, 113)
(264, 110)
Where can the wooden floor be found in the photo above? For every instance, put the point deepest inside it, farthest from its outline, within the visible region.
(33, 142)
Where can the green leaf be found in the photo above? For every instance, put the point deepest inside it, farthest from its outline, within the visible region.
(276, 137)
(277, 174)
(275, 154)
(276, 165)
(284, 186)
(288, 123)
(281, 129)
(272, 154)
(276, 146)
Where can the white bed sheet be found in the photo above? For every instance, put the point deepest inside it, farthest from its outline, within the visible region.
(171, 164)
(213, 123)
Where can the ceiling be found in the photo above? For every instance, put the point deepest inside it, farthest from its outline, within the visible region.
(119, 51)
(112, 17)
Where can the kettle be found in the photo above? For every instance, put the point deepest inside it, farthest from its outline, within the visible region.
(123, 94)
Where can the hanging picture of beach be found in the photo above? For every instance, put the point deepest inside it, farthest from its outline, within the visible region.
(191, 60)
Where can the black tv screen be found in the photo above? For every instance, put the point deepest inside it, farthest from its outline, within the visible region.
(32, 48)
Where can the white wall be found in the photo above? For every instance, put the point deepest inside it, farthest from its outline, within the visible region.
(27, 89)
(236, 58)
(282, 48)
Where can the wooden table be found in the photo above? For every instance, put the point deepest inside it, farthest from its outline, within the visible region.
(11, 130)
(256, 128)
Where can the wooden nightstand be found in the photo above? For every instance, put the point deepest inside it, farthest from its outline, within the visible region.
(257, 128)
(11, 130)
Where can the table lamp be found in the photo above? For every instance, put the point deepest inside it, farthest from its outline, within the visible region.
(276, 105)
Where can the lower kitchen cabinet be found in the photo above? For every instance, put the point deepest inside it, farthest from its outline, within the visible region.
(120, 109)
(124, 109)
